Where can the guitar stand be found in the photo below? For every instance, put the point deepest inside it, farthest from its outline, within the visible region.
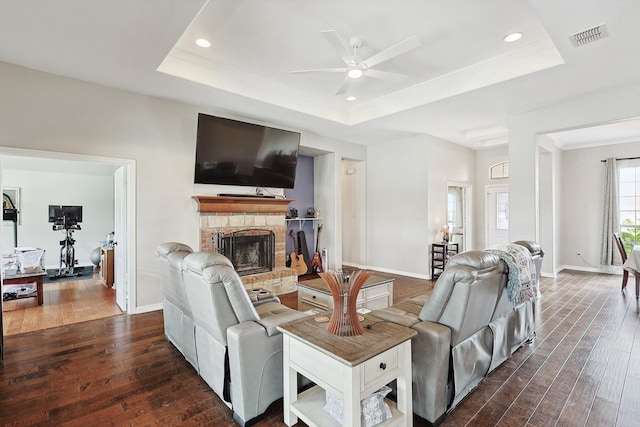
(67, 253)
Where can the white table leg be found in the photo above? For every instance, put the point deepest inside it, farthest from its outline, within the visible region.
(405, 404)
(290, 378)
(352, 397)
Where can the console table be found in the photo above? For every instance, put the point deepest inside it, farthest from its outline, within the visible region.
(376, 293)
(351, 368)
(25, 278)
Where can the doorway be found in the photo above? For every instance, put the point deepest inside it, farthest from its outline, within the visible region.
(76, 177)
(459, 215)
(497, 215)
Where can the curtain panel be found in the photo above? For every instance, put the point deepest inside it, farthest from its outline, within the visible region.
(611, 215)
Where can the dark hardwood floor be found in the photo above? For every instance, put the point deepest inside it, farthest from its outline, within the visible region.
(583, 369)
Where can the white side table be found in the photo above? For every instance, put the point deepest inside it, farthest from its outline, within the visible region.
(351, 368)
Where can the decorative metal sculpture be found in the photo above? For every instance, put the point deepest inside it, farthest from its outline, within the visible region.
(344, 320)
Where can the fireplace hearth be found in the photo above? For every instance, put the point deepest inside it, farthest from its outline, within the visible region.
(251, 250)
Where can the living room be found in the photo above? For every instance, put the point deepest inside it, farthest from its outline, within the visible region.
(48, 111)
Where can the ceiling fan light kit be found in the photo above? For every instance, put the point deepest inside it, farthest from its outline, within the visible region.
(355, 73)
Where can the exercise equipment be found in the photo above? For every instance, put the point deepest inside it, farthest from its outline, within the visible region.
(66, 219)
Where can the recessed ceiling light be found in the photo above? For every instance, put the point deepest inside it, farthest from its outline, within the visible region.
(513, 37)
(351, 98)
(355, 73)
(203, 43)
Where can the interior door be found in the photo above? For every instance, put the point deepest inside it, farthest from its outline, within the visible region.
(121, 248)
(497, 215)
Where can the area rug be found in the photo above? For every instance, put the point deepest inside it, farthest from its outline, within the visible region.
(81, 273)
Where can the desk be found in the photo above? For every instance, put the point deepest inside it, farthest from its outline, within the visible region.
(351, 368)
(632, 265)
(20, 278)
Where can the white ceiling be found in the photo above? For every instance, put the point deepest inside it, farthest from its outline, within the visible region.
(463, 81)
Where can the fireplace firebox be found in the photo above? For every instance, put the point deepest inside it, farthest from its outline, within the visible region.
(251, 250)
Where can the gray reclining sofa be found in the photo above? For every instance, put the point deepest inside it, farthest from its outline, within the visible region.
(470, 323)
(238, 350)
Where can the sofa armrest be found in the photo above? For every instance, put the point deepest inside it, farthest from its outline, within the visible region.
(255, 365)
(274, 314)
(261, 296)
(430, 353)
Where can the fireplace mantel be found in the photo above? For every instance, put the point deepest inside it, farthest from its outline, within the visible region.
(241, 204)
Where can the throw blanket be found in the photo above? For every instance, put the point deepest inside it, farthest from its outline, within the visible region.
(521, 284)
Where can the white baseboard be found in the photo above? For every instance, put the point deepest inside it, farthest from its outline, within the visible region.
(147, 308)
(610, 270)
(388, 270)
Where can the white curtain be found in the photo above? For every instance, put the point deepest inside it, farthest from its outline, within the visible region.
(610, 255)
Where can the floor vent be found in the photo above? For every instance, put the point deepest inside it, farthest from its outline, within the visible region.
(589, 36)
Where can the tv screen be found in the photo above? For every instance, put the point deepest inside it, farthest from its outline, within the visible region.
(60, 213)
(231, 152)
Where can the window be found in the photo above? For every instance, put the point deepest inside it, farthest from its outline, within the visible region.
(502, 211)
(629, 193)
(452, 209)
(499, 170)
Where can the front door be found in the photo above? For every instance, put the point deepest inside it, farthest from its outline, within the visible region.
(497, 215)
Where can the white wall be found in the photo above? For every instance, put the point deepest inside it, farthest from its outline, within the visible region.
(583, 195)
(550, 177)
(354, 212)
(42, 111)
(407, 199)
(591, 109)
(38, 190)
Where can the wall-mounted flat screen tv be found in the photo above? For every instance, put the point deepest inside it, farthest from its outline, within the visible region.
(231, 152)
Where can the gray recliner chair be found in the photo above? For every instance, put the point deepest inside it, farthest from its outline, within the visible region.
(239, 349)
(179, 327)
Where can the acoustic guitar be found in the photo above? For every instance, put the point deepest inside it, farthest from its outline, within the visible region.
(316, 261)
(297, 263)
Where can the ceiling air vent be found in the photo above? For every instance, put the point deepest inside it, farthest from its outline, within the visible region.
(590, 35)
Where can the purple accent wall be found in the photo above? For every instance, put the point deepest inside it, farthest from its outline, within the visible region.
(302, 196)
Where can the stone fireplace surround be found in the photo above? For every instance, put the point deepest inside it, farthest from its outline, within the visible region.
(220, 214)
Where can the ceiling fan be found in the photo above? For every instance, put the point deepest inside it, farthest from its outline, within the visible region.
(355, 66)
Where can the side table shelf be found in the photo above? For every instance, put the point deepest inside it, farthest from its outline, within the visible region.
(440, 254)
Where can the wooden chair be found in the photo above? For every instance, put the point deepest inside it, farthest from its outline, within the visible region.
(625, 273)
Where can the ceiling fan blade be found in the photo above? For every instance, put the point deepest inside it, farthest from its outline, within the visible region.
(384, 75)
(338, 45)
(393, 51)
(344, 86)
(320, 70)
